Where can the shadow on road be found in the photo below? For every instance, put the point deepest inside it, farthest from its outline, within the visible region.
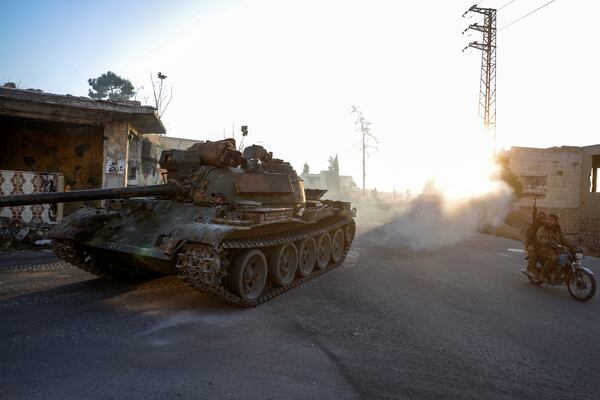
(88, 292)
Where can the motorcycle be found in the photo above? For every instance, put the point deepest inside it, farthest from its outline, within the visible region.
(580, 281)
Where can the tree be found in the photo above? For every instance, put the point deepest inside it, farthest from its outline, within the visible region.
(507, 176)
(334, 165)
(367, 140)
(306, 169)
(162, 93)
(244, 131)
(333, 176)
(111, 86)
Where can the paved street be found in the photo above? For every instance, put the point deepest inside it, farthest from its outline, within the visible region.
(459, 322)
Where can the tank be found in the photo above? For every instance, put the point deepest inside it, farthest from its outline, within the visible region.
(239, 227)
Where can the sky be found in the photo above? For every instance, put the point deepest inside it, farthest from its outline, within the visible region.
(291, 70)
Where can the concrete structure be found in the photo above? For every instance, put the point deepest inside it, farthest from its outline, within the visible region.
(93, 143)
(335, 184)
(152, 146)
(564, 181)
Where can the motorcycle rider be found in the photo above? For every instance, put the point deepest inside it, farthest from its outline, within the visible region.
(550, 238)
(531, 244)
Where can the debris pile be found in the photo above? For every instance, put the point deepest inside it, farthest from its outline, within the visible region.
(18, 234)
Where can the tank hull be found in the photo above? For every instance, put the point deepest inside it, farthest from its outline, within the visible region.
(142, 238)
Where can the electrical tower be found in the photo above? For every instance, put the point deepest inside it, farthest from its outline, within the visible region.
(487, 82)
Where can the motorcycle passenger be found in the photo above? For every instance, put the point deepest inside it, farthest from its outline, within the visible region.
(551, 240)
(531, 244)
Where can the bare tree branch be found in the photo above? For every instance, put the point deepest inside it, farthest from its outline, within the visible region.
(364, 128)
(161, 92)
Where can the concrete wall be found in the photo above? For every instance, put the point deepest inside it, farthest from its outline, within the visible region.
(73, 150)
(115, 155)
(589, 215)
(314, 181)
(122, 155)
(550, 175)
(560, 179)
(553, 177)
(338, 187)
(590, 202)
(134, 158)
(152, 146)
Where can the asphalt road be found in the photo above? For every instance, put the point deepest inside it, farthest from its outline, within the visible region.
(458, 322)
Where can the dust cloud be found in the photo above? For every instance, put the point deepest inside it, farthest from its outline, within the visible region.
(431, 220)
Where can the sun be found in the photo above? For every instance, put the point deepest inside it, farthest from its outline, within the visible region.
(469, 170)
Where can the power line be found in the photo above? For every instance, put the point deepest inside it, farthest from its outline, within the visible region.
(502, 7)
(506, 5)
(526, 15)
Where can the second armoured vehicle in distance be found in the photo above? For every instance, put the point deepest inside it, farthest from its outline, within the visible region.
(240, 227)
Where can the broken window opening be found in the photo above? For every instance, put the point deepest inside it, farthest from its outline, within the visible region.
(594, 173)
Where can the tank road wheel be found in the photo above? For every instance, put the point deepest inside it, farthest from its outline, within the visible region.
(338, 243)
(350, 232)
(283, 262)
(323, 250)
(249, 274)
(307, 257)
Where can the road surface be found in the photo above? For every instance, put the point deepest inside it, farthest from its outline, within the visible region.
(452, 323)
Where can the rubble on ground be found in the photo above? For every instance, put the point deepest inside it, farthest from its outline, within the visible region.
(15, 234)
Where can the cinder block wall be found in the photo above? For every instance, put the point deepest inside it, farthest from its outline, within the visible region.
(553, 177)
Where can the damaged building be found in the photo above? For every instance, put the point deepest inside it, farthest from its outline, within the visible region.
(52, 142)
(332, 181)
(562, 180)
(152, 146)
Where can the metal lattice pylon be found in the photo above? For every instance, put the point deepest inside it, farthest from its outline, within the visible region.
(487, 84)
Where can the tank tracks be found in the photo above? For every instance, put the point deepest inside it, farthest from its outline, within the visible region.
(67, 250)
(195, 263)
(44, 267)
(196, 268)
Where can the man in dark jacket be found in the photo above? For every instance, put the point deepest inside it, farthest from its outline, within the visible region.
(531, 241)
(551, 242)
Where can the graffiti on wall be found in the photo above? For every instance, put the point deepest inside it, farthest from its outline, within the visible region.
(115, 167)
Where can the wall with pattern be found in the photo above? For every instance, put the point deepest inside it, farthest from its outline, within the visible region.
(20, 182)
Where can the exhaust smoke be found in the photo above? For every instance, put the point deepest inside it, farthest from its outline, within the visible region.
(433, 220)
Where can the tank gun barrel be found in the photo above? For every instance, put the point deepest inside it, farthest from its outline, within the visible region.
(169, 189)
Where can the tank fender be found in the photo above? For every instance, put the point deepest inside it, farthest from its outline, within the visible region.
(589, 271)
(209, 234)
(81, 224)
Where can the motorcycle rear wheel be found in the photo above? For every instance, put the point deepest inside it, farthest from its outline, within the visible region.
(582, 285)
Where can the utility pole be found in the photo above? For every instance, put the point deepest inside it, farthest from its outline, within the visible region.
(487, 80)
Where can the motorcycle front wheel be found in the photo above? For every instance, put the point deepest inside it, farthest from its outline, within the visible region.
(582, 285)
(534, 281)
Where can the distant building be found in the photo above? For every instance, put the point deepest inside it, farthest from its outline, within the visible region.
(564, 181)
(152, 146)
(332, 182)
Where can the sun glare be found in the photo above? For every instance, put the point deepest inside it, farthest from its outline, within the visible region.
(469, 169)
